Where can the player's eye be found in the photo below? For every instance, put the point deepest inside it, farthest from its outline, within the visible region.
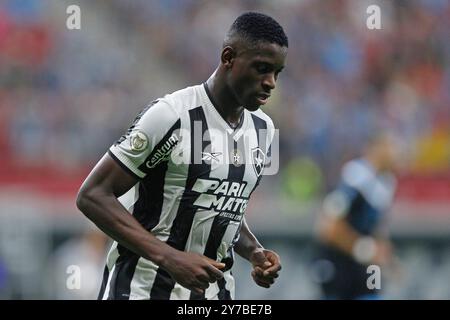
(263, 68)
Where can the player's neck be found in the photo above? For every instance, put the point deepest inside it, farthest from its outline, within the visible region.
(223, 101)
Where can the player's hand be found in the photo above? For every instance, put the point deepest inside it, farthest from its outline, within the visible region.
(266, 265)
(383, 254)
(193, 271)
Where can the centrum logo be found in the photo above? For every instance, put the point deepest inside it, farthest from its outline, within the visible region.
(162, 152)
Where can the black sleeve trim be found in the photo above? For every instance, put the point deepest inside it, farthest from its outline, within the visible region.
(120, 163)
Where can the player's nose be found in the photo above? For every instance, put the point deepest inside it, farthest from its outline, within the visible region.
(269, 82)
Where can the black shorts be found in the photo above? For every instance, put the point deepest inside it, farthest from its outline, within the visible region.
(342, 277)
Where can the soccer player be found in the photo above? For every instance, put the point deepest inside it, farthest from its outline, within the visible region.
(173, 190)
(352, 227)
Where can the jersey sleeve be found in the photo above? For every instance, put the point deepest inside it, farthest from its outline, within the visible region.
(339, 201)
(149, 141)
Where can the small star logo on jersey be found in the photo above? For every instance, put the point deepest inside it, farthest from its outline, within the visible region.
(258, 158)
(138, 141)
(236, 157)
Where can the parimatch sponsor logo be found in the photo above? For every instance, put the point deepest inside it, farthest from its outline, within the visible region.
(222, 196)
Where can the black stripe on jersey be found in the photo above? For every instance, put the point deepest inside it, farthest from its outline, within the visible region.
(148, 208)
(260, 124)
(104, 283)
(223, 294)
(220, 224)
(165, 142)
(121, 278)
(179, 233)
(147, 211)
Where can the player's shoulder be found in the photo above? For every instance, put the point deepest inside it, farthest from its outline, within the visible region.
(171, 106)
(262, 116)
(183, 99)
(357, 172)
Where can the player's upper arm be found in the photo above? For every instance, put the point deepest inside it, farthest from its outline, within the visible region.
(149, 141)
(354, 178)
(333, 226)
(336, 204)
(140, 149)
(107, 178)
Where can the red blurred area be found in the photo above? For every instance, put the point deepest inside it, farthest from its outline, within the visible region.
(24, 44)
(424, 188)
(44, 181)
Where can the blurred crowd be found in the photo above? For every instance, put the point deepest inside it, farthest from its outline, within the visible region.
(65, 96)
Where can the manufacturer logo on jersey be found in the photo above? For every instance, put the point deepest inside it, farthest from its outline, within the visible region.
(162, 152)
(258, 160)
(138, 141)
(210, 156)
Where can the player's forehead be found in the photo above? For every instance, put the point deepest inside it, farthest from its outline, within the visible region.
(266, 52)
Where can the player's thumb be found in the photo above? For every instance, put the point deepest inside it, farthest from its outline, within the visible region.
(259, 259)
(218, 265)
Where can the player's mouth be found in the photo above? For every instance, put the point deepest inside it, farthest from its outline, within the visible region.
(262, 98)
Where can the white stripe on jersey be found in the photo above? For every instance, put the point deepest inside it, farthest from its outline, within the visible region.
(129, 199)
(113, 254)
(143, 278)
(106, 293)
(201, 226)
(229, 283)
(180, 293)
(172, 198)
(212, 292)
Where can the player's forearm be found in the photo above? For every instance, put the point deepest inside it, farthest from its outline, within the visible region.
(113, 219)
(343, 236)
(247, 243)
(339, 234)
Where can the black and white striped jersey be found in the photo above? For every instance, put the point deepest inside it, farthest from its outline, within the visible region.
(196, 175)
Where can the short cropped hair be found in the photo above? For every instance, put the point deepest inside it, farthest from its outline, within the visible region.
(255, 27)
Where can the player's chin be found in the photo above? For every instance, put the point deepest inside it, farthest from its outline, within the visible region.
(253, 105)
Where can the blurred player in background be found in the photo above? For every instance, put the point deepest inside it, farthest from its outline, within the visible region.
(187, 216)
(352, 228)
(85, 252)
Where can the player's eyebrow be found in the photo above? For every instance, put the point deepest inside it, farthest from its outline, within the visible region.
(277, 68)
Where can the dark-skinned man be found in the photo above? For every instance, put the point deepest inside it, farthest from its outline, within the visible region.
(173, 190)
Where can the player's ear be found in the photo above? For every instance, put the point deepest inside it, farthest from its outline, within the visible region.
(227, 56)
